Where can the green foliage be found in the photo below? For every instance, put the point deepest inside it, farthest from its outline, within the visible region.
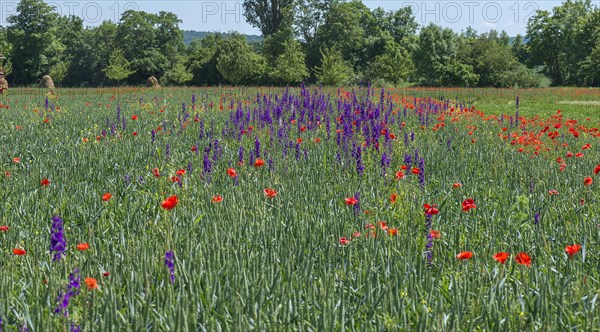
(178, 75)
(118, 67)
(32, 34)
(269, 16)
(152, 42)
(590, 67)
(289, 66)
(238, 63)
(394, 66)
(202, 60)
(334, 71)
(59, 71)
(561, 40)
(437, 60)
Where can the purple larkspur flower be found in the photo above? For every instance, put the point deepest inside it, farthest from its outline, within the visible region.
(422, 173)
(536, 218)
(360, 168)
(385, 163)
(357, 205)
(58, 244)
(170, 264)
(168, 150)
(153, 134)
(256, 147)
(72, 291)
(73, 328)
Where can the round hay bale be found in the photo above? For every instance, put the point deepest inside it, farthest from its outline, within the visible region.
(152, 82)
(3, 82)
(47, 82)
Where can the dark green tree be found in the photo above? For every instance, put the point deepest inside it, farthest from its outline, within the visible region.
(437, 62)
(269, 16)
(333, 70)
(118, 67)
(32, 33)
(289, 66)
(558, 42)
(238, 63)
(393, 66)
(202, 60)
(150, 41)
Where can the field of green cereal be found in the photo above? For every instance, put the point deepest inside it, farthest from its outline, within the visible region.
(308, 209)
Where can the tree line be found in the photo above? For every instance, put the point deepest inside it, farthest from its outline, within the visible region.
(327, 42)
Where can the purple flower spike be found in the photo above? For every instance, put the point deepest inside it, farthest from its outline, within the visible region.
(58, 244)
(170, 263)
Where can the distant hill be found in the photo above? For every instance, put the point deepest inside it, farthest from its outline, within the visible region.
(190, 35)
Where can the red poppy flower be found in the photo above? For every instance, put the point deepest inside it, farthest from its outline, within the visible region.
(106, 196)
(456, 185)
(169, 203)
(194, 149)
(106, 274)
(588, 181)
(134, 117)
(317, 140)
(399, 175)
(91, 283)
(355, 235)
(45, 182)
(299, 140)
(569, 154)
(180, 171)
(270, 192)
(259, 162)
(7, 173)
(553, 192)
(579, 155)
(404, 167)
(523, 259)
(393, 198)
(597, 170)
(435, 234)
(231, 172)
(83, 246)
(573, 249)
(19, 252)
(393, 231)
(344, 241)
(3, 228)
(415, 170)
(155, 172)
(501, 257)
(134, 133)
(17, 160)
(464, 255)
(382, 225)
(175, 179)
(586, 146)
(468, 204)
(217, 199)
(431, 209)
(350, 201)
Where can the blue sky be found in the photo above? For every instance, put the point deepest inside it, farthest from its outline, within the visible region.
(219, 15)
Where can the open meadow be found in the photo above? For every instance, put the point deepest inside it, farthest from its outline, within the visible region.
(312, 209)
